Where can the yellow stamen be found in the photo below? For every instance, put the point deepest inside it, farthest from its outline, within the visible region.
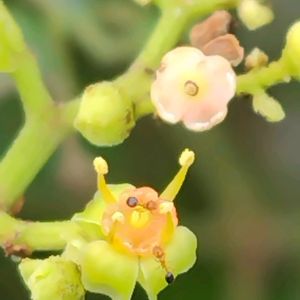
(186, 159)
(118, 217)
(101, 168)
(139, 218)
(166, 207)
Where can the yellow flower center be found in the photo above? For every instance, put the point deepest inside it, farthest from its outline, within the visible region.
(139, 228)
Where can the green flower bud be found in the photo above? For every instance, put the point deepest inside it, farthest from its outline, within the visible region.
(105, 116)
(254, 15)
(52, 278)
(268, 107)
(291, 52)
(11, 41)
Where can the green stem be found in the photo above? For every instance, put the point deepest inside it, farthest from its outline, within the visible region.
(34, 145)
(28, 79)
(164, 37)
(263, 78)
(35, 235)
(46, 124)
(176, 15)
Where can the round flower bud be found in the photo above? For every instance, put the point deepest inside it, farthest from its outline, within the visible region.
(105, 116)
(11, 40)
(291, 52)
(255, 15)
(193, 88)
(52, 278)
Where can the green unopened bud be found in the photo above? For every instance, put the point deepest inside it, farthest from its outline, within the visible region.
(254, 15)
(268, 107)
(52, 278)
(11, 41)
(105, 116)
(291, 52)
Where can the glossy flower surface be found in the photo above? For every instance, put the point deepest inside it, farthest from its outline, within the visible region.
(193, 88)
(139, 239)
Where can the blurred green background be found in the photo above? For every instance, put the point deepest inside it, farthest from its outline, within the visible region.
(241, 198)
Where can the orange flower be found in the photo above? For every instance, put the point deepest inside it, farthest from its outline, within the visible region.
(140, 237)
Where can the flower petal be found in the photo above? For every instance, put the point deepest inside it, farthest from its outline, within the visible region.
(166, 92)
(180, 257)
(107, 271)
(212, 106)
(202, 126)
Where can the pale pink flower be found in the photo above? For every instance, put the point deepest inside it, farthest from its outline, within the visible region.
(193, 88)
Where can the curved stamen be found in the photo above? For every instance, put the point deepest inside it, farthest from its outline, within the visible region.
(186, 159)
(101, 168)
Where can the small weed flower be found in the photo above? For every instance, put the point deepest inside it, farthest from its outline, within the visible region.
(193, 88)
(140, 237)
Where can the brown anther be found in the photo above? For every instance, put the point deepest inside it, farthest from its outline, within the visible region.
(191, 88)
(217, 24)
(151, 205)
(132, 201)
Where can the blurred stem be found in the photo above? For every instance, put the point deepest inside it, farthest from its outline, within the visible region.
(28, 79)
(32, 148)
(263, 78)
(47, 124)
(176, 15)
(34, 235)
(45, 127)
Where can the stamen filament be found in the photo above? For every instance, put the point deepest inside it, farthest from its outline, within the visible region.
(186, 159)
(101, 168)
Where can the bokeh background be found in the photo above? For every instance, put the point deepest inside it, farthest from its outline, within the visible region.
(241, 198)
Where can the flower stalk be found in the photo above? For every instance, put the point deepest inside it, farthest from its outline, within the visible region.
(17, 235)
